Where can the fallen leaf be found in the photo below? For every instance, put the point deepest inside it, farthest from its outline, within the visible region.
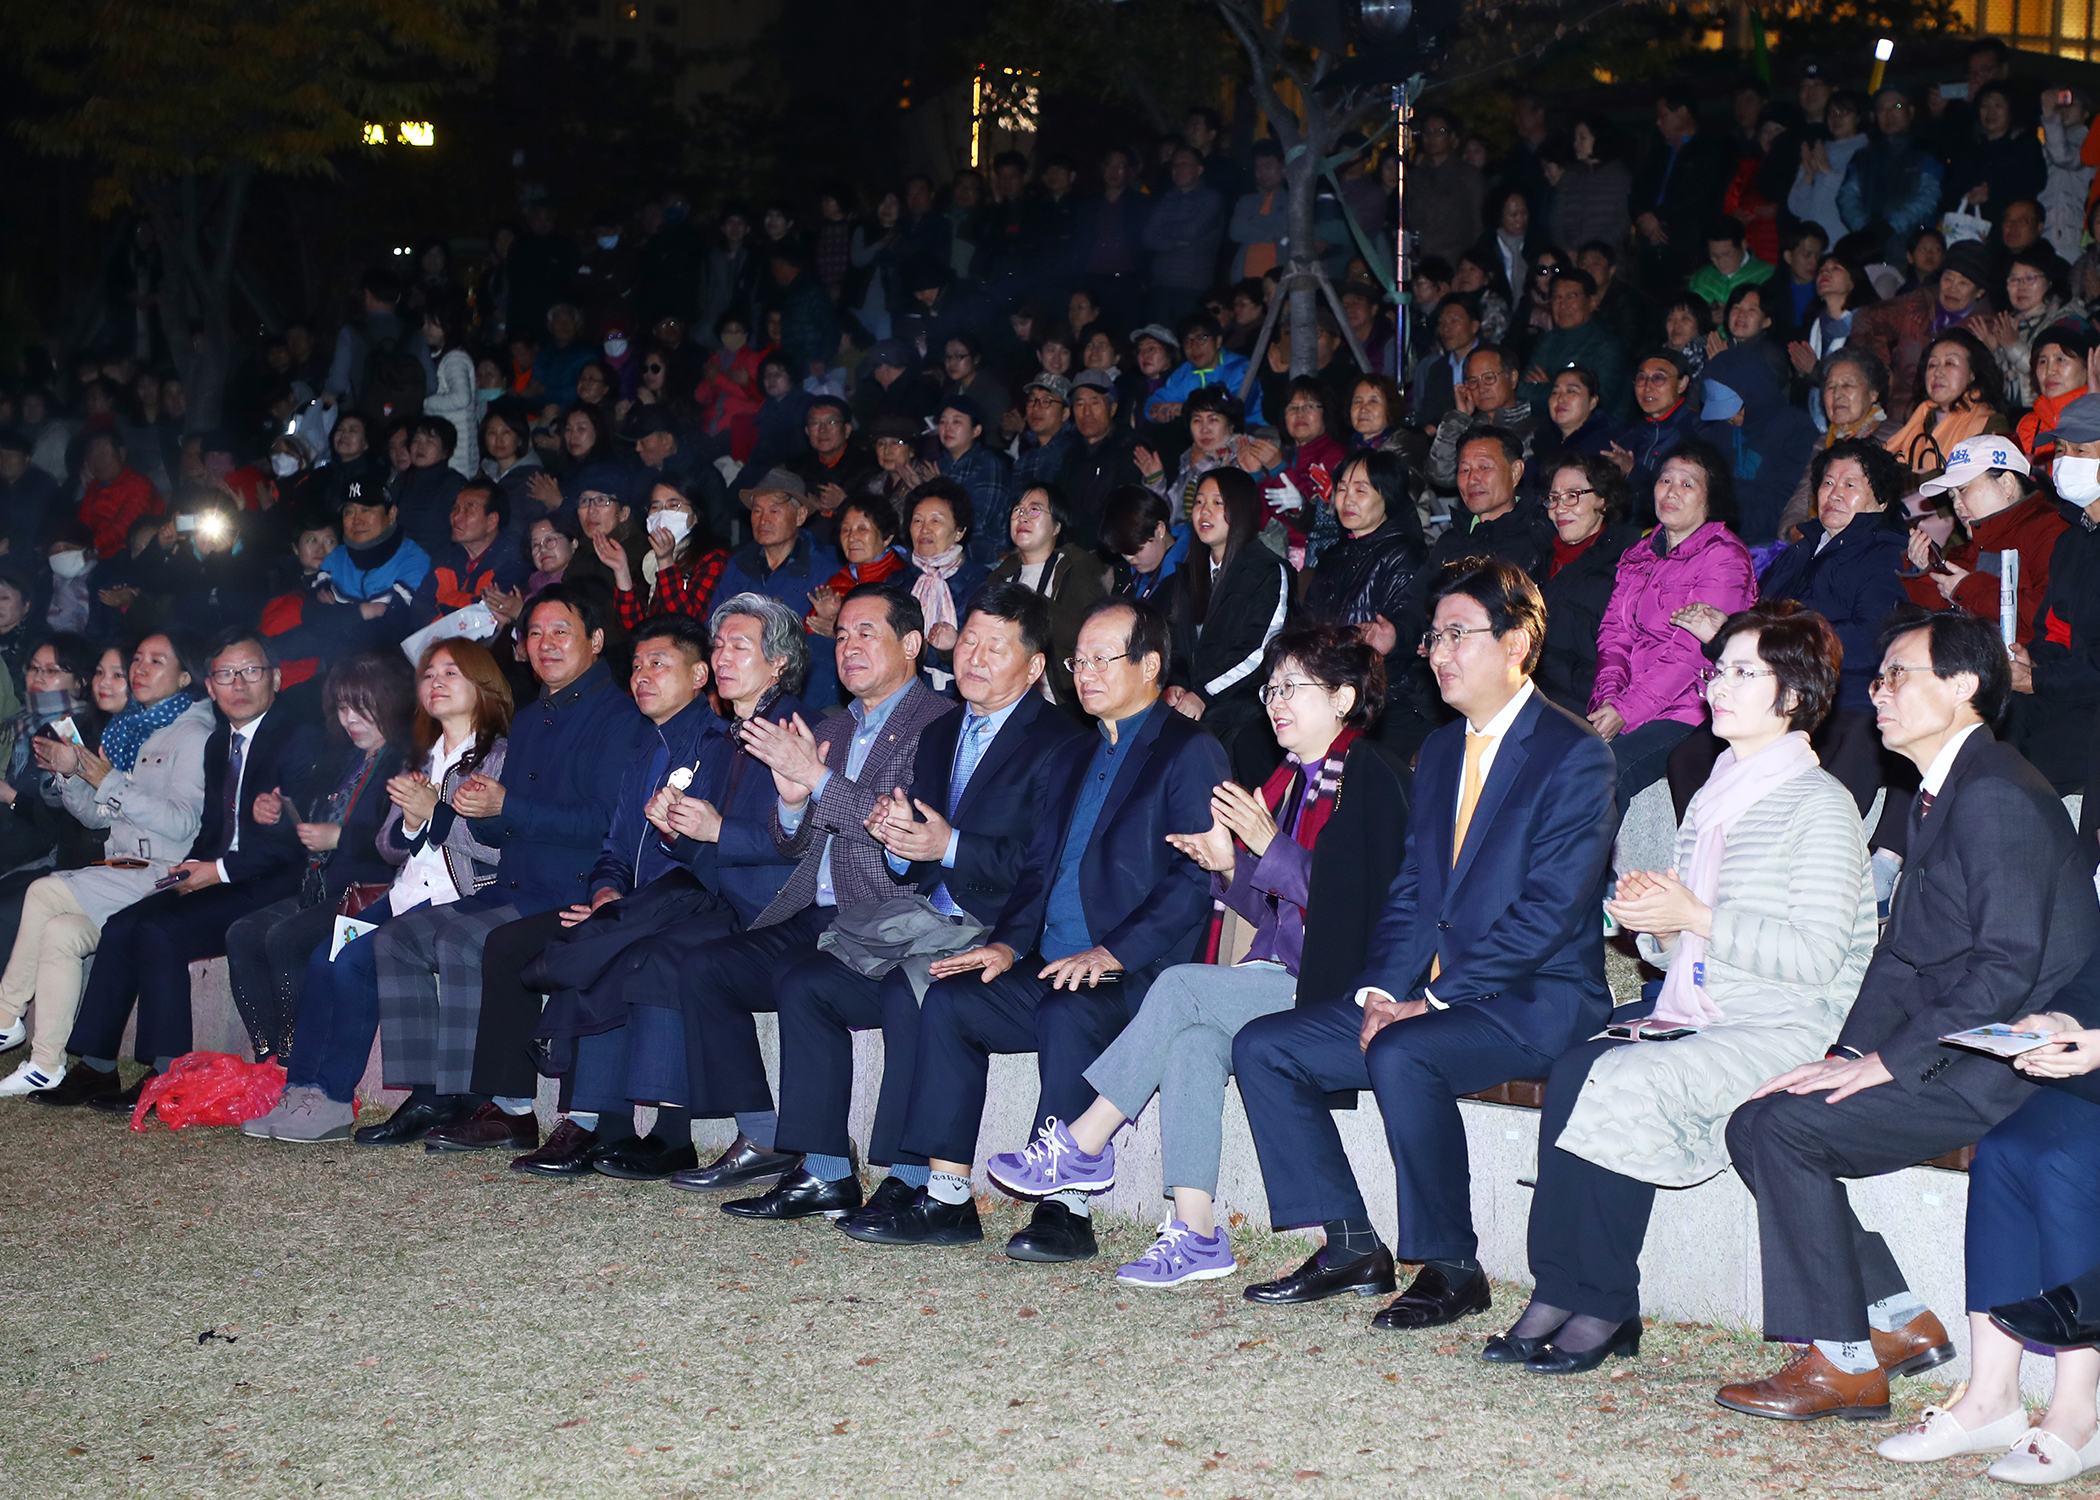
(872, 1359)
(1027, 1312)
(572, 1422)
(1309, 1474)
(838, 1428)
(1447, 1348)
(75, 1452)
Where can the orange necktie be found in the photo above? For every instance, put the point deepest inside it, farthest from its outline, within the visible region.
(1468, 799)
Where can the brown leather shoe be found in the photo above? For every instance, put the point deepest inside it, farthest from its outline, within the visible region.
(1918, 1346)
(487, 1129)
(1808, 1387)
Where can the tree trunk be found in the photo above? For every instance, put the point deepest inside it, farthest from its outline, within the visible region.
(1301, 174)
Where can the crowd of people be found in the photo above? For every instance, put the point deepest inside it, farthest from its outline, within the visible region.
(956, 619)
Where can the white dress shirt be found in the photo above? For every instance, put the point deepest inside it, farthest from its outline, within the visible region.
(246, 735)
(1936, 774)
(426, 877)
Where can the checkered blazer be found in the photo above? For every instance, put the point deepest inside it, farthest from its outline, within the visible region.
(858, 870)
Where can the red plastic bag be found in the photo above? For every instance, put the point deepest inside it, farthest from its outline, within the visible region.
(210, 1088)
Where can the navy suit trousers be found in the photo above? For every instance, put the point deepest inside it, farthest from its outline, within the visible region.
(964, 1021)
(1289, 1062)
(822, 1003)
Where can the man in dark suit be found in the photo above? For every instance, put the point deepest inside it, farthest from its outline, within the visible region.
(243, 858)
(829, 781)
(1103, 905)
(959, 836)
(1677, 191)
(1487, 964)
(1994, 913)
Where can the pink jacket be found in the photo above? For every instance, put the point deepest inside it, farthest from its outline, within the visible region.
(1648, 668)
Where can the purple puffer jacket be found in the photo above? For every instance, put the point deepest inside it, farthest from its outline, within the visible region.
(1648, 668)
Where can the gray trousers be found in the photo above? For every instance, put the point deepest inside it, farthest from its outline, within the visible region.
(1180, 1047)
(429, 962)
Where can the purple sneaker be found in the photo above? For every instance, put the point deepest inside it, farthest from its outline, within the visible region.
(1053, 1163)
(1180, 1254)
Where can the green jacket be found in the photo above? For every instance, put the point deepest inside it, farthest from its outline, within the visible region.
(1592, 346)
(1710, 285)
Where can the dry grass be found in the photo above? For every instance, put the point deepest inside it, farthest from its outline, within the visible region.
(386, 1322)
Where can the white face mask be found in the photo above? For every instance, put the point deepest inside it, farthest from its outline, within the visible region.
(2077, 479)
(69, 564)
(677, 522)
(615, 348)
(283, 465)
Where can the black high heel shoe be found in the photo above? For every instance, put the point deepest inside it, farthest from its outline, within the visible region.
(1510, 1349)
(1555, 1361)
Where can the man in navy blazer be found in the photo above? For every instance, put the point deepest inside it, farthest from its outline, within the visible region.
(1487, 964)
(960, 833)
(1103, 904)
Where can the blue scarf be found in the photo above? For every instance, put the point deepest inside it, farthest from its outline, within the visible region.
(123, 735)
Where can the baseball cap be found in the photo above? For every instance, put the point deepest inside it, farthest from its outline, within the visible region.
(1720, 403)
(1096, 380)
(2080, 421)
(778, 481)
(1056, 385)
(1979, 455)
(1159, 331)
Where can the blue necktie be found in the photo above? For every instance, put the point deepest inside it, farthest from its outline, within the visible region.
(969, 750)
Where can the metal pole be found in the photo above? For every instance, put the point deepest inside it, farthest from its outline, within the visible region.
(1403, 283)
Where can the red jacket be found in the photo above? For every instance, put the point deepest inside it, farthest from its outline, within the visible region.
(109, 509)
(2030, 529)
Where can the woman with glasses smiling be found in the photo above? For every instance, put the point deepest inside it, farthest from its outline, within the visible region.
(1586, 502)
(1763, 927)
(1267, 854)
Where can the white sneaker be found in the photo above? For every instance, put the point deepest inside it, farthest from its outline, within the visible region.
(1938, 1435)
(15, 1035)
(2044, 1458)
(30, 1079)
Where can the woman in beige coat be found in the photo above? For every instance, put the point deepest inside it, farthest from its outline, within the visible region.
(1765, 927)
(147, 788)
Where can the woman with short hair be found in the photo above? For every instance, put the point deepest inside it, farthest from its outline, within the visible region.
(1587, 502)
(2001, 509)
(682, 566)
(1764, 926)
(1064, 572)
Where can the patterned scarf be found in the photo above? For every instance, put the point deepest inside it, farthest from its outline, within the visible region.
(124, 734)
(1293, 791)
(931, 588)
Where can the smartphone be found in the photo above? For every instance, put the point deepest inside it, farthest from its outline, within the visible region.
(2063, 98)
(65, 729)
(185, 524)
(169, 882)
(1630, 1031)
(1954, 91)
(291, 811)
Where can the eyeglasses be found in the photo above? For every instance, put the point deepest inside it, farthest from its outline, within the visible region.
(1273, 692)
(1892, 678)
(2031, 279)
(652, 369)
(226, 676)
(1095, 664)
(1566, 499)
(596, 502)
(823, 422)
(1735, 677)
(1031, 512)
(1653, 377)
(1486, 380)
(1453, 636)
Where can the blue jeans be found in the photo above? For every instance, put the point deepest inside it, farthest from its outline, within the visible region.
(2034, 1200)
(338, 1014)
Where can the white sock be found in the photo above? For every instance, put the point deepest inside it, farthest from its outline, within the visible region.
(514, 1106)
(1853, 1359)
(1075, 1201)
(584, 1120)
(1891, 1313)
(946, 1187)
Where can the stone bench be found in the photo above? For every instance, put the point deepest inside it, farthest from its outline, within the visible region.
(1700, 1263)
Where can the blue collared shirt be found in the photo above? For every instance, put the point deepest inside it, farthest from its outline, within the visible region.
(971, 717)
(871, 721)
(1064, 916)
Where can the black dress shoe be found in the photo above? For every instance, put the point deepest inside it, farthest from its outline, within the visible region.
(411, 1122)
(1508, 1349)
(1431, 1300)
(1054, 1234)
(646, 1158)
(800, 1196)
(567, 1153)
(891, 1195)
(122, 1101)
(740, 1166)
(1367, 1276)
(2054, 1320)
(1625, 1340)
(80, 1084)
(924, 1221)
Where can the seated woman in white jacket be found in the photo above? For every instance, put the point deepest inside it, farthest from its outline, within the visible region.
(1765, 926)
(147, 788)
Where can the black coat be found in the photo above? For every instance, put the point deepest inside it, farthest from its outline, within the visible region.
(1994, 914)
(1355, 860)
(1852, 583)
(1093, 472)
(2054, 726)
(1576, 598)
(356, 859)
(999, 810)
(1219, 656)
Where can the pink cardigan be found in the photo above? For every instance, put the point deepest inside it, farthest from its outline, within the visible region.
(1648, 668)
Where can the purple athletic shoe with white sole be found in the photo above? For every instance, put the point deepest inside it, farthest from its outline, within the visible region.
(1180, 1254)
(1053, 1163)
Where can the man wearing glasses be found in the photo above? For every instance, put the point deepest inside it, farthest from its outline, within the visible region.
(836, 466)
(1487, 394)
(1487, 964)
(1577, 338)
(1103, 905)
(257, 765)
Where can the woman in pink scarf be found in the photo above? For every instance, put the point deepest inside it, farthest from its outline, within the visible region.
(1764, 927)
